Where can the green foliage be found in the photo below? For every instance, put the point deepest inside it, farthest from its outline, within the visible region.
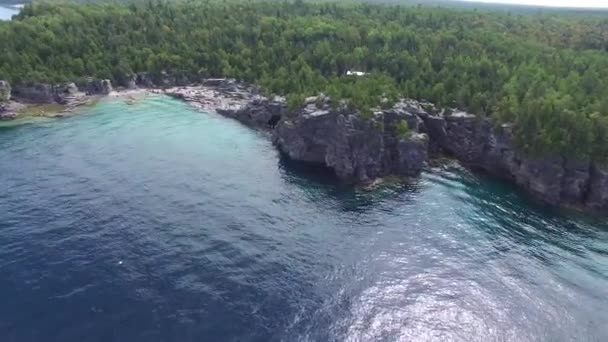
(545, 73)
(403, 129)
(294, 100)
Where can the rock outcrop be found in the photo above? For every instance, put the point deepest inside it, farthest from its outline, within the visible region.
(129, 81)
(23, 95)
(144, 79)
(6, 113)
(163, 79)
(5, 96)
(597, 198)
(260, 112)
(555, 179)
(96, 87)
(360, 150)
(5, 91)
(67, 94)
(233, 99)
(34, 93)
(357, 149)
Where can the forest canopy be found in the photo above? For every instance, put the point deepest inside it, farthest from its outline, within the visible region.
(547, 74)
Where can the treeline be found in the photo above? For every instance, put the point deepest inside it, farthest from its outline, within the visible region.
(546, 74)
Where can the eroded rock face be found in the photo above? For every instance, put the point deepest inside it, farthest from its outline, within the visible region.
(34, 93)
(129, 81)
(5, 96)
(357, 149)
(576, 179)
(553, 178)
(412, 154)
(598, 189)
(6, 115)
(144, 79)
(260, 112)
(5, 112)
(97, 87)
(65, 92)
(233, 99)
(5, 91)
(306, 138)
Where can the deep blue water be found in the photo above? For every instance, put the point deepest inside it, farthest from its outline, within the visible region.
(154, 222)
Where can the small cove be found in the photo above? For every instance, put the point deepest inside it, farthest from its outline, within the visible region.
(152, 221)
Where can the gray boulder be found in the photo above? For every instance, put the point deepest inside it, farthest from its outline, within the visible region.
(66, 92)
(9, 110)
(6, 113)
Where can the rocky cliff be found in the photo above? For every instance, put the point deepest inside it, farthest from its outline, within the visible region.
(555, 179)
(96, 87)
(5, 106)
(361, 149)
(5, 91)
(357, 149)
(63, 93)
(34, 93)
(19, 97)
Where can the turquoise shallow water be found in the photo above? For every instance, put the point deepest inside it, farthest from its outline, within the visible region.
(155, 222)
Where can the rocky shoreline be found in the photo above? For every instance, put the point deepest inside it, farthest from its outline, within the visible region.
(14, 100)
(361, 150)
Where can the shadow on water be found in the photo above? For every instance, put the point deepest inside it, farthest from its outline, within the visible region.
(321, 183)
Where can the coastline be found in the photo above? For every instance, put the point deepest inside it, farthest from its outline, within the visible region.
(25, 110)
(365, 152)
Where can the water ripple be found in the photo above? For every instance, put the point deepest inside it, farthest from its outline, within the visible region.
(154, 222)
